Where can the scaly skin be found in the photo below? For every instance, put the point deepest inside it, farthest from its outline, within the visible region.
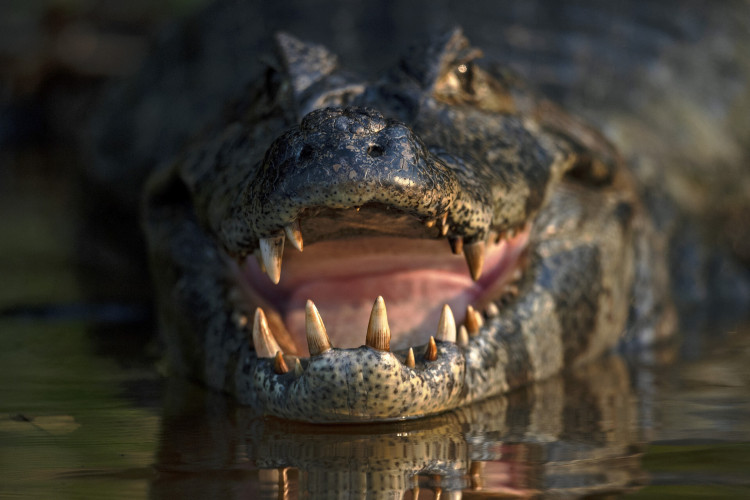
(438, 149)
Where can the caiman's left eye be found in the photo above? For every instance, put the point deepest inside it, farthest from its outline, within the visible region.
(465, 74)
(459, 83)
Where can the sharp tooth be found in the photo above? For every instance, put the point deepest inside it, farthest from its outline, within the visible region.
(271, 250)
(378, 332)
(258, 257)
(430, 353)
(279, 365)
(473, 321)
(492, 310)
(474, 254)
(511, 233)
(444, 230)
(462, 338)
(444, 220)
(298, 368)
(317, 338)
(410, 358)
(263, 340)
(446, 326)
(294, 234)
(457, 245)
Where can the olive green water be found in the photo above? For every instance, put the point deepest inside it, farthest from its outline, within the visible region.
(84, 412)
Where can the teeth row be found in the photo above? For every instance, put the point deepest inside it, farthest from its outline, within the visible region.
(378, 334)
(271, 248)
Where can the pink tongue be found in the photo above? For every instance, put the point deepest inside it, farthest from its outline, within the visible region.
(413, 300)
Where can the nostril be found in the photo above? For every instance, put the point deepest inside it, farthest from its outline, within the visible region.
(305, 153)
(375, 150)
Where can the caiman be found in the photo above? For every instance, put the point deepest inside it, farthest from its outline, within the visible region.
(343, 249)
(504, 236)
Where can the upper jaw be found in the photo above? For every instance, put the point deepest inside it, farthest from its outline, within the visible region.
(351, 172)
(339, 159)
(357, 191)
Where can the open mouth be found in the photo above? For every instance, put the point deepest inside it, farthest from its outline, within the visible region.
(415, 277)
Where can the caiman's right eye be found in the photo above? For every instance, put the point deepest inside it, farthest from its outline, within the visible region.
(458, 83)
(465, 75)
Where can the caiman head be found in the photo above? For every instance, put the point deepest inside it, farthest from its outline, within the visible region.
(498, 229)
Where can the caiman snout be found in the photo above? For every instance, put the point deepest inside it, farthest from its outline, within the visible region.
(350, 121)
(345, 159)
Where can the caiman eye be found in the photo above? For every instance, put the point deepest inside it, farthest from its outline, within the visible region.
(465, 74)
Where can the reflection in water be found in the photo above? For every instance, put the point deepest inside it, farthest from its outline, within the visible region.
(573, 435)
(76, 425)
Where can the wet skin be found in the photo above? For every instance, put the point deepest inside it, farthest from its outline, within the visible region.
(503, 236)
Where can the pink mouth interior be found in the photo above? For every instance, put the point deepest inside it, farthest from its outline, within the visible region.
(415, 277)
